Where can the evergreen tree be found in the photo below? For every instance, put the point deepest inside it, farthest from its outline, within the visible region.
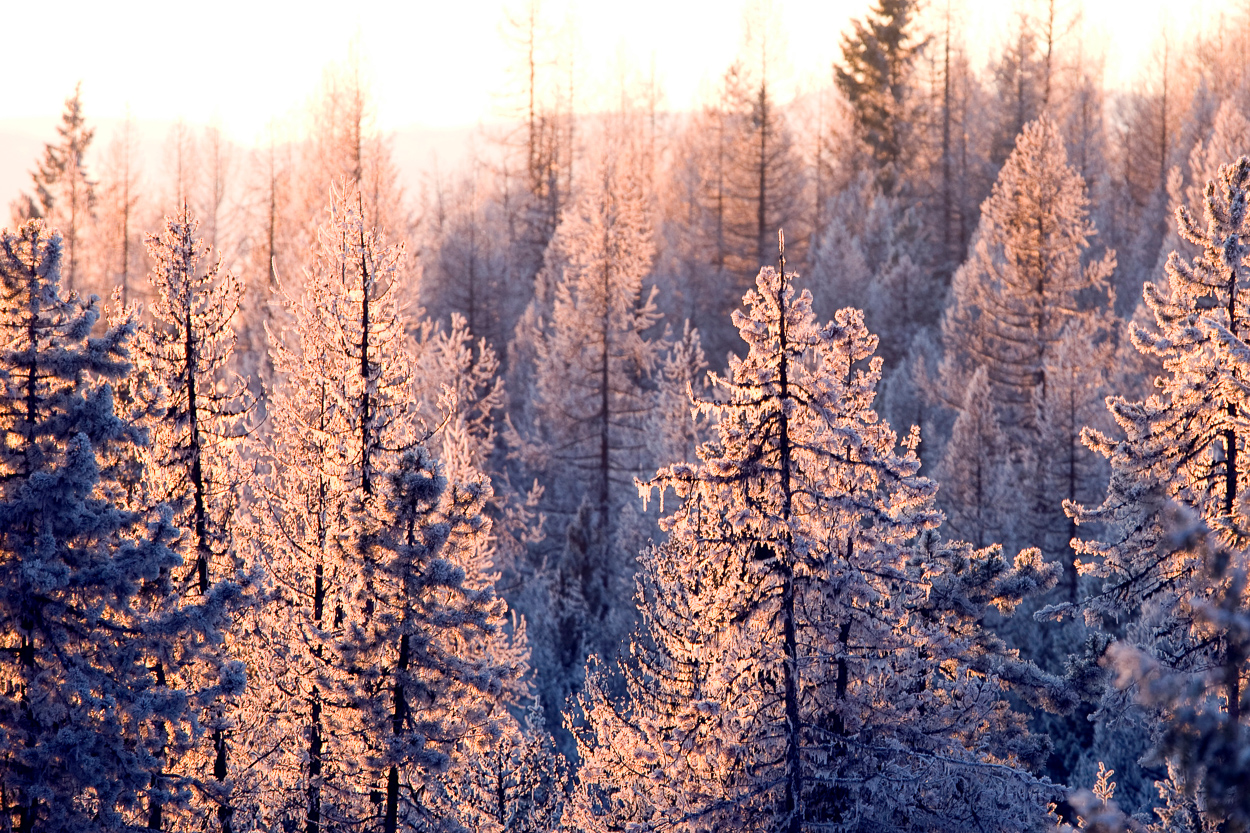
(341, 413)
(875, 77)
(101, 695)
(811, 657)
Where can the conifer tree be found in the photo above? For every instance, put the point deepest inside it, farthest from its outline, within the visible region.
(1182, 587)
(875, 77)
(677, 430)
(1025, 278)
(195, 428)
(120, 249)
(101, 696)
(64, 193)
(976, 469)
(1025, 283)
(806, 656)
(377, 559)
(514, 784)
(586, 436)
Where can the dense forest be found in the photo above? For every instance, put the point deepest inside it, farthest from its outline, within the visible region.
(873, 460)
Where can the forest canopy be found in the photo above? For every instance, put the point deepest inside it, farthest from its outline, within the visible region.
(875, 459)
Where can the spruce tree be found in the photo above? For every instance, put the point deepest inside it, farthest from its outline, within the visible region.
(875, 77)
(812, 657)
(104, 667)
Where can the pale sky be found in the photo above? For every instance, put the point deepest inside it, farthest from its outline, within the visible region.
(437, 63)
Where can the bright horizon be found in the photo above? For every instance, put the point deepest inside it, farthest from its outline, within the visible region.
(444, 65)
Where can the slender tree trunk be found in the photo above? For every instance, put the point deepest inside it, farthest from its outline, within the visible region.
(785, 563)
(398, 719)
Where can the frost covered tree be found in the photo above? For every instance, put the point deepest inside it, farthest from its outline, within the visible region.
(1026, 276)
(103, 691)
(1028, 280)
(677, 430)
(811, 656)
(1184, 444)
(120, 244)
(64, 193)
(976, 469)
(515, 783)
(376, 559)
(586, 435)
(195, 426)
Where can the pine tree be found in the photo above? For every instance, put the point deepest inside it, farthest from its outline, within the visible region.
(678, 431)
(807, 652)
(101, 696)
(1186, 647)
(1026, 276)
(193, 464)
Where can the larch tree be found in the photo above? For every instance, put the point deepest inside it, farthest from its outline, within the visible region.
(584, 435)
(376, 559)
(270, 237)
(196, 424)
(337, 407)
(103, 689)
(64, 192)
(976, 469)
(121, 250)
(811, 656)
(1026, 281)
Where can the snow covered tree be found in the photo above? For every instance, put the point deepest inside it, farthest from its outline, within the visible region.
(342, 404)
(413, 621)
(1026, 277)
(1185, 444)
(120, 249)
(64, 194)
(514, 784)
(812, 657)
(1025, 283)
(677, 429)
(195, 427)
(102, 667)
